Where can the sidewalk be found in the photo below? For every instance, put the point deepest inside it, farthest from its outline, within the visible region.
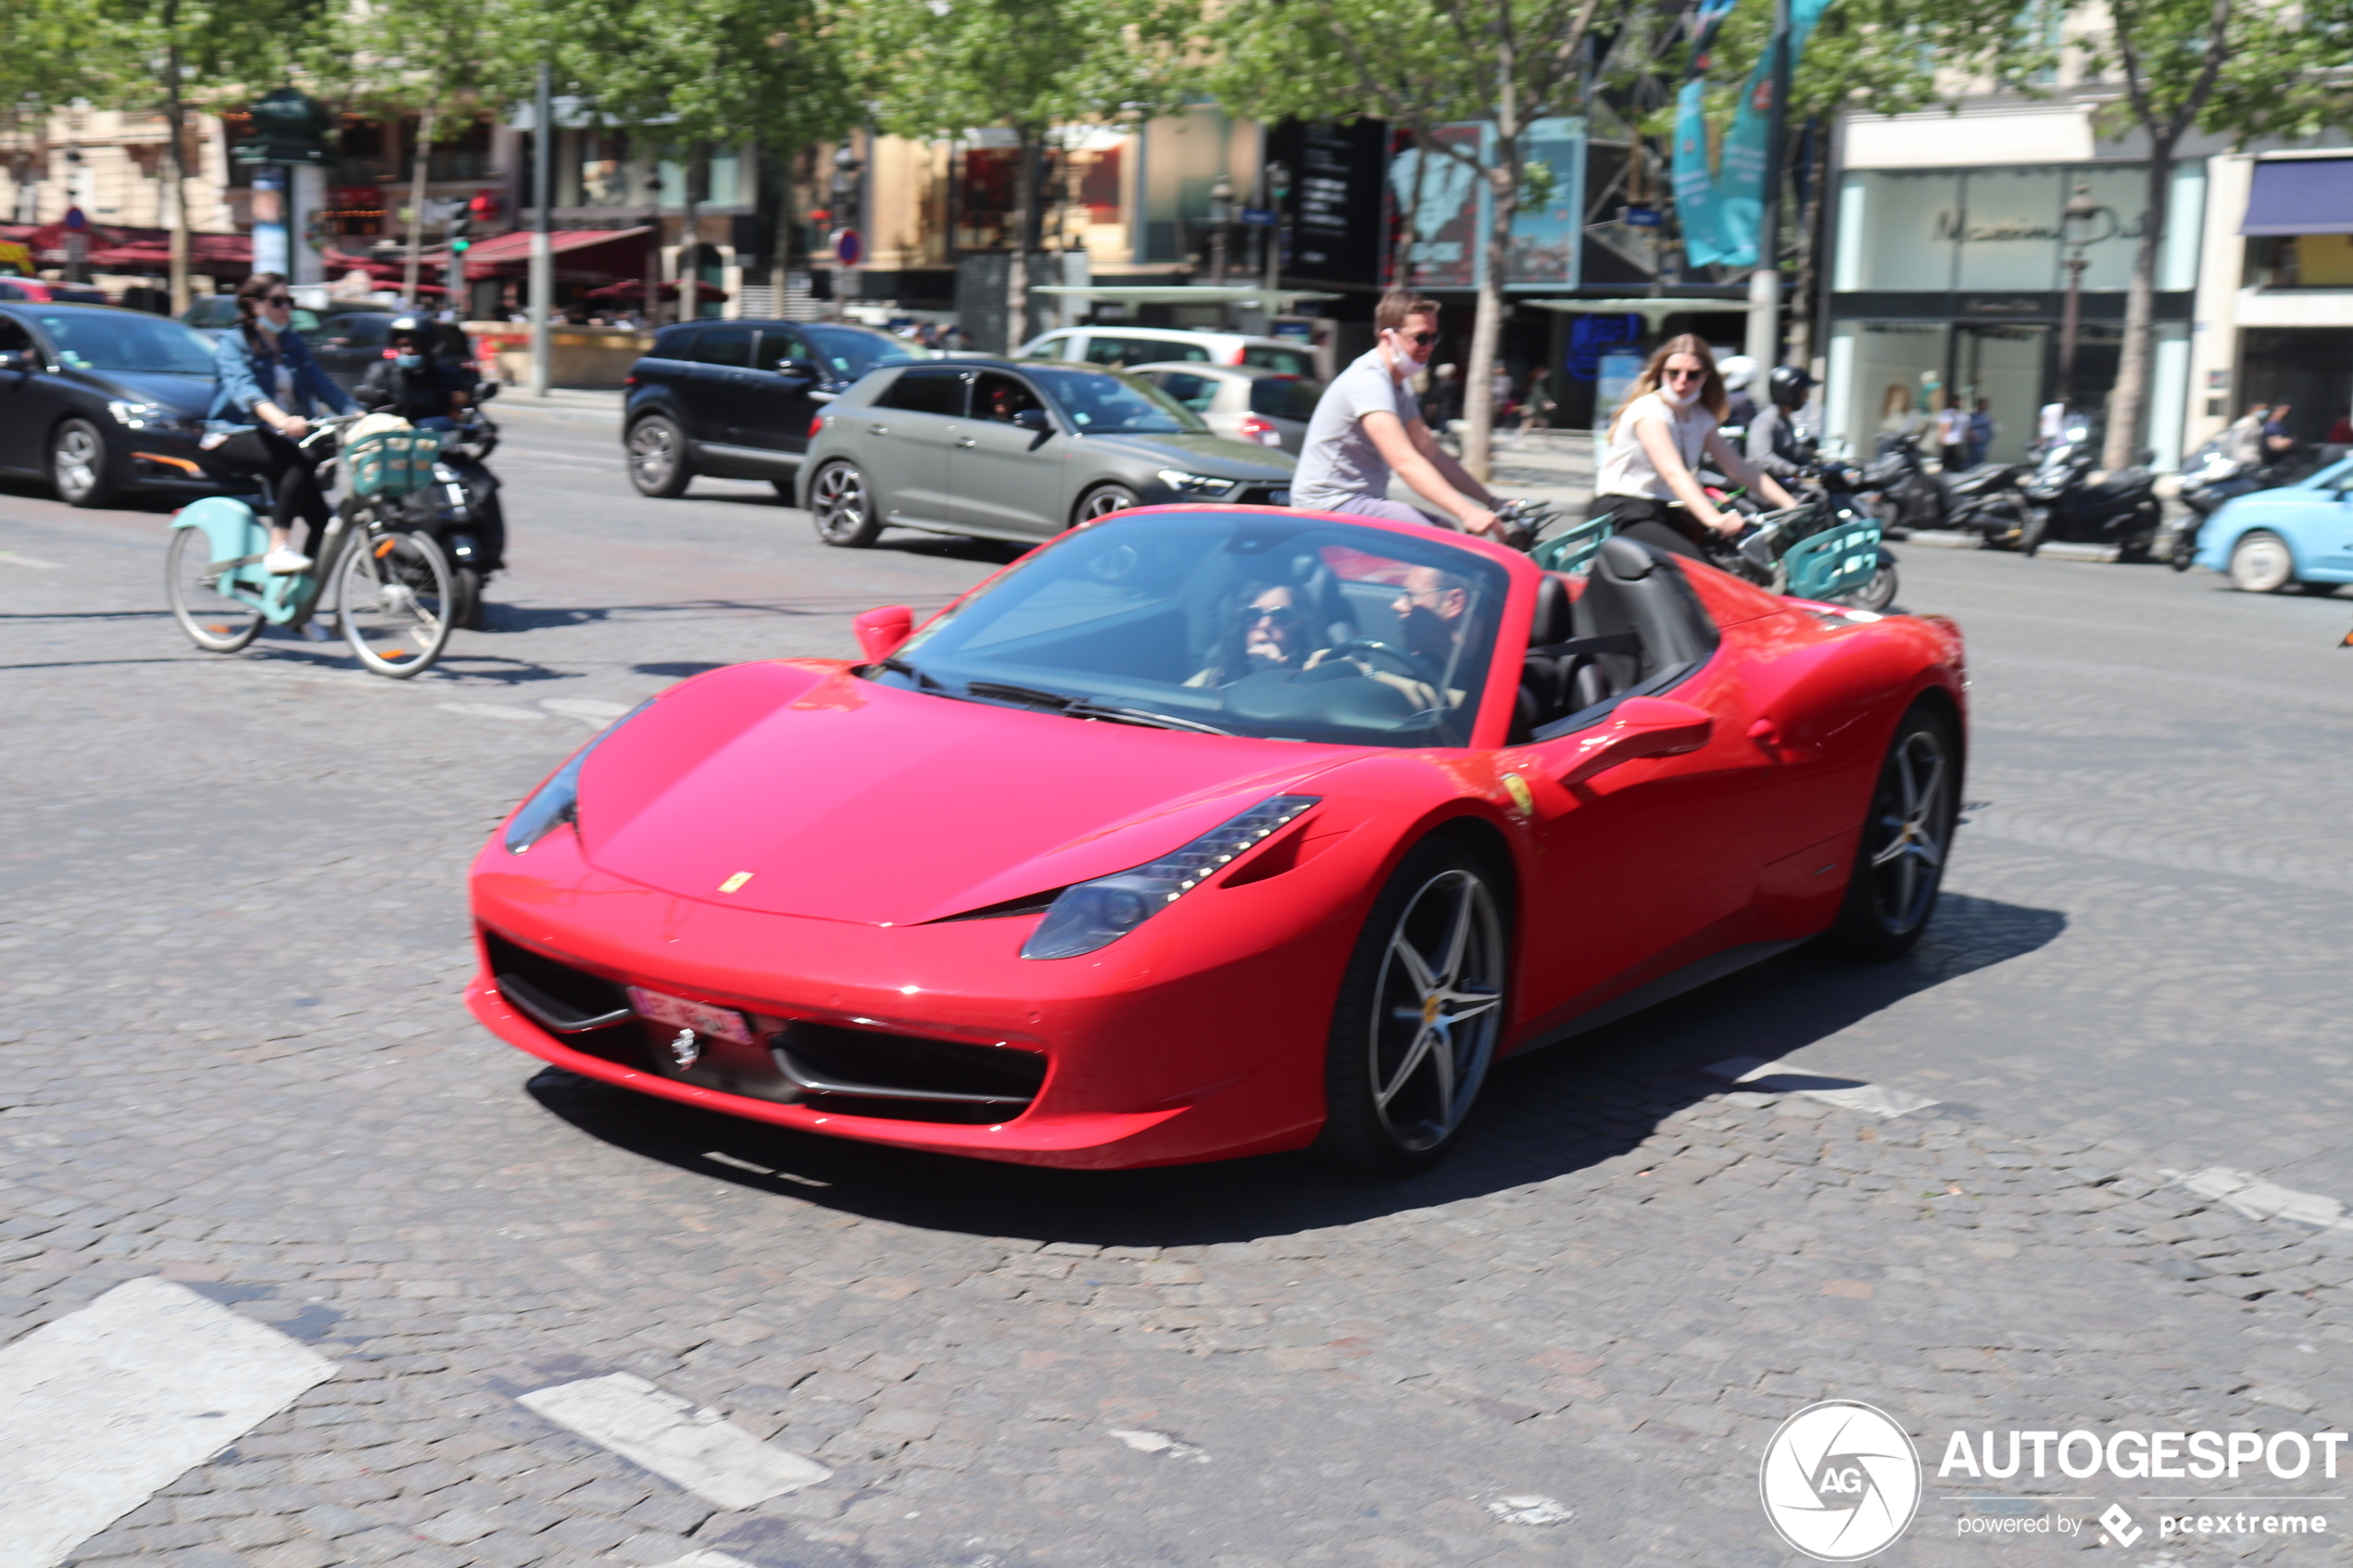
(590, 405)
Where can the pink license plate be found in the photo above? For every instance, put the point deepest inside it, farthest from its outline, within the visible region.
(724, 1024)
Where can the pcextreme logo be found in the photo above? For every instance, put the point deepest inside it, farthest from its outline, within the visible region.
(1840, 1481)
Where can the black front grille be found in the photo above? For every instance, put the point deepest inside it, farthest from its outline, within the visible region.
(557, 997)
(909, 1070)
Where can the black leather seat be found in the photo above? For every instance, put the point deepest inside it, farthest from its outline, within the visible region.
(1638, 588)
(1544, 679)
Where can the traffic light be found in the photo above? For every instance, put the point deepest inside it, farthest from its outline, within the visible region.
(458, 240)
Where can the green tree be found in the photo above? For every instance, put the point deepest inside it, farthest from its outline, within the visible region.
(1422, 66)
(2237, 68)
(943, 67)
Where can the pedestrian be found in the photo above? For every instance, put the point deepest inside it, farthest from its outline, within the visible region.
(1952, 434)
(2243, 443)
(1982, 430)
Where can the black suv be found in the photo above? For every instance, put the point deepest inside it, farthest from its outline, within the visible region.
(735, 399)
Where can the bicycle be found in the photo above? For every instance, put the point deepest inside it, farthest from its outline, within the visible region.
(395, 591)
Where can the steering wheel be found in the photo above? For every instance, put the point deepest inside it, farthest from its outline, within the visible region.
(1405, 663)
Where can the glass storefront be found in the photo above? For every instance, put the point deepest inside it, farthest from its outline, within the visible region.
(1923, 230)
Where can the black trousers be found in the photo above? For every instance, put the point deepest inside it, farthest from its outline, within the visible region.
(292, 476)
(1653, 522)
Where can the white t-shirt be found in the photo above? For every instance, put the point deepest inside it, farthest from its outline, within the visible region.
(1626, 469)
(1338, 460)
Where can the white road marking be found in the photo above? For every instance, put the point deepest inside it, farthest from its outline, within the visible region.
(1531, 1508)
(1848, 1094)
(2260, 1200)
(698, 1448)
(1159, 1443)
(12, 559)
(583, 707)
(706, 1559)
(492, 710)
(102, 1406)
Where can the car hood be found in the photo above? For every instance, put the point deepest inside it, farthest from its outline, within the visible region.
(186, 396)
(1216, 455)
(814, 793)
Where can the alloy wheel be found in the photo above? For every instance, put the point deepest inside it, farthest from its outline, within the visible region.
(78, 458)
(841, 507)
(2260, 564)
(1104, 502)
(1911, 828)
(1437, 1010)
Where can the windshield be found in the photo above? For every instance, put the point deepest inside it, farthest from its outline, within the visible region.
(88, 340)
(1102, 403)
(850, 353)
(1285, 397)
(1254, 624)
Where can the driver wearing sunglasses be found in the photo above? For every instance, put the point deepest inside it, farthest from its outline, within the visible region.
(1368, 425)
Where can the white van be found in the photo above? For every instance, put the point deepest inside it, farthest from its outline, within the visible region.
(1116, 347)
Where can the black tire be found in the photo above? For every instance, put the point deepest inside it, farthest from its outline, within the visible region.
(214, 622)
(842, 507)
(2316, 590)
(2037, 529)
(1444, 904)
(1905, 839)
(393, 597)
(2185, 551)
(658, 464)
(465, 598)
(78, 463)
(1104, 500)
(1880, 592)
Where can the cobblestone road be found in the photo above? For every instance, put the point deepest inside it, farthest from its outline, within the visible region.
(235, 935)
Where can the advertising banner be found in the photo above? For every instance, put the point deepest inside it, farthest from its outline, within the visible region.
(1695, 201)
(1450, 205)
(1739, 188)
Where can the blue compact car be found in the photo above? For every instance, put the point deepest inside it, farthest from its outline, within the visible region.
(2300, 534)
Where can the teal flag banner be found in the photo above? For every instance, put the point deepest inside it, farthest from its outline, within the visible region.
(1739, 188)
(1696, 203)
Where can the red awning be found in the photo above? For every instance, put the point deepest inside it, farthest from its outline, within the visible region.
(207, 253)
(588, 255)
(634, 289)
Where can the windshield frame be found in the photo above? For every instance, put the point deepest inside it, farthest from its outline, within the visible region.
(822, 335)
(47, 322)
(1477, 722)
(1041, 371)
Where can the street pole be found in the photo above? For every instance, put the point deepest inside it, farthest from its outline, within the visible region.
(543, 261)
(1764, 346)
(2076, 227)
(1221, 214)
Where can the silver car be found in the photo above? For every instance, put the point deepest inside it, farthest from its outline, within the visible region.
(1247, 402)
(1007, 451)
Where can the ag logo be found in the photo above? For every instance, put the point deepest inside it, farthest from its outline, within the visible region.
(1840, 1481)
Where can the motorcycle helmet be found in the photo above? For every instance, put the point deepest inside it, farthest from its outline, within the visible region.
(409, 341)
(1790, 387)
(1738, 370)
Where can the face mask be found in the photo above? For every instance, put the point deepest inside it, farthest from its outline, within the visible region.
(1683, 399)
(409, 361)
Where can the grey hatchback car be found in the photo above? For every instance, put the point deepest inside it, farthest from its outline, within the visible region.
(1016, 451)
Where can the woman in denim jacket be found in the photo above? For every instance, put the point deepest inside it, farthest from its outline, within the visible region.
(269, 381)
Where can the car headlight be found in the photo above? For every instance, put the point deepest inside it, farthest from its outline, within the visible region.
(557, 801)
(1088, 915)
(1197, 483)
(136, 415)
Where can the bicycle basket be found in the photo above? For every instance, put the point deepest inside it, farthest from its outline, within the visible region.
(392, 463)
(1572, 549)
(1835, 561)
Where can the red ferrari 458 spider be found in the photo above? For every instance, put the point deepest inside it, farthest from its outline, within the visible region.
(1207, 831)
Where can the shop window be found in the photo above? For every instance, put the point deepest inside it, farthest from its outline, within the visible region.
(2301, 261)
(1897, 230)
(2009, 229)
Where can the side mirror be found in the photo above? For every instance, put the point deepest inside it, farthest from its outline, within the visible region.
(808, 369)
(485, 391)
(1033, 419)
(15, 359)
(1640, 726)
(881, 631)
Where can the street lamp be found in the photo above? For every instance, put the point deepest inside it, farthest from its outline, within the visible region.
(653, 243)
(1221, 214)
(2079, 225)
(1278, 190)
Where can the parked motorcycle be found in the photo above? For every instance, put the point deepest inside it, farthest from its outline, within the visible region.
(462, 509)
(1984, 500)
(2121, 509)
(2209, 479)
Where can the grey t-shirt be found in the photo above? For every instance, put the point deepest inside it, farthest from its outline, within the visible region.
(1338, 459)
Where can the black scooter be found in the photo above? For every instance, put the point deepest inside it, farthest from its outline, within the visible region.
(2121, 509)
(1984, 500)
(462, 509)
(2209, 479)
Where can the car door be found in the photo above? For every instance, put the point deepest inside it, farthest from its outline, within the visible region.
(902, 440)
(718, 381)
(1652, 863)
(776, 409)
(1001, 477)
(2324, 537)
(22, 405)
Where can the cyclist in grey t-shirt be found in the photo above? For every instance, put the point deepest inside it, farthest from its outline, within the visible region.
(1367, 426)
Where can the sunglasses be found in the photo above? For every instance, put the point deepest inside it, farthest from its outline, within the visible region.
(1284, 617)
(278, 302)
(1419, 340)
(1682, 375)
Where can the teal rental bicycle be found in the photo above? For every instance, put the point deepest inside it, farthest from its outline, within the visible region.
(394, 592)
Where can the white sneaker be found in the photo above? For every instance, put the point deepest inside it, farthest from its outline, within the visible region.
(284, 561)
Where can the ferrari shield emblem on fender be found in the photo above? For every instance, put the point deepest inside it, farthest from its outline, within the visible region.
(1522, 796)
(685, 1051)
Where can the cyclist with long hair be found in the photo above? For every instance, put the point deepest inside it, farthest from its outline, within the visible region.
(1668, 423)
(269, 381)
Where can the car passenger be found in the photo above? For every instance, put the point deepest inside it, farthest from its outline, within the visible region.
(1261, 632)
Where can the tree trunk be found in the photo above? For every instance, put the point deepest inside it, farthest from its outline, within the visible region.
(1027, 220)
(689, 239)
(1487, 325)
(175, 117)
(420, 167)
(1803, 297)
(2129, 402)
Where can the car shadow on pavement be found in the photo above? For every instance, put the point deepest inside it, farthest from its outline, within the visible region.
(1551, 1114)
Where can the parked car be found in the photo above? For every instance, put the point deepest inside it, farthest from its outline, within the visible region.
(1124, 347)
(1267, 407)
(102, 402)
(1018, 451)
(35, 291)
(740, 399)
(2299, 534)
(216, 313)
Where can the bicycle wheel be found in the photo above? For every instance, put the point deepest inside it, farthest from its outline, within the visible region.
(214, 620)
(393, 598)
